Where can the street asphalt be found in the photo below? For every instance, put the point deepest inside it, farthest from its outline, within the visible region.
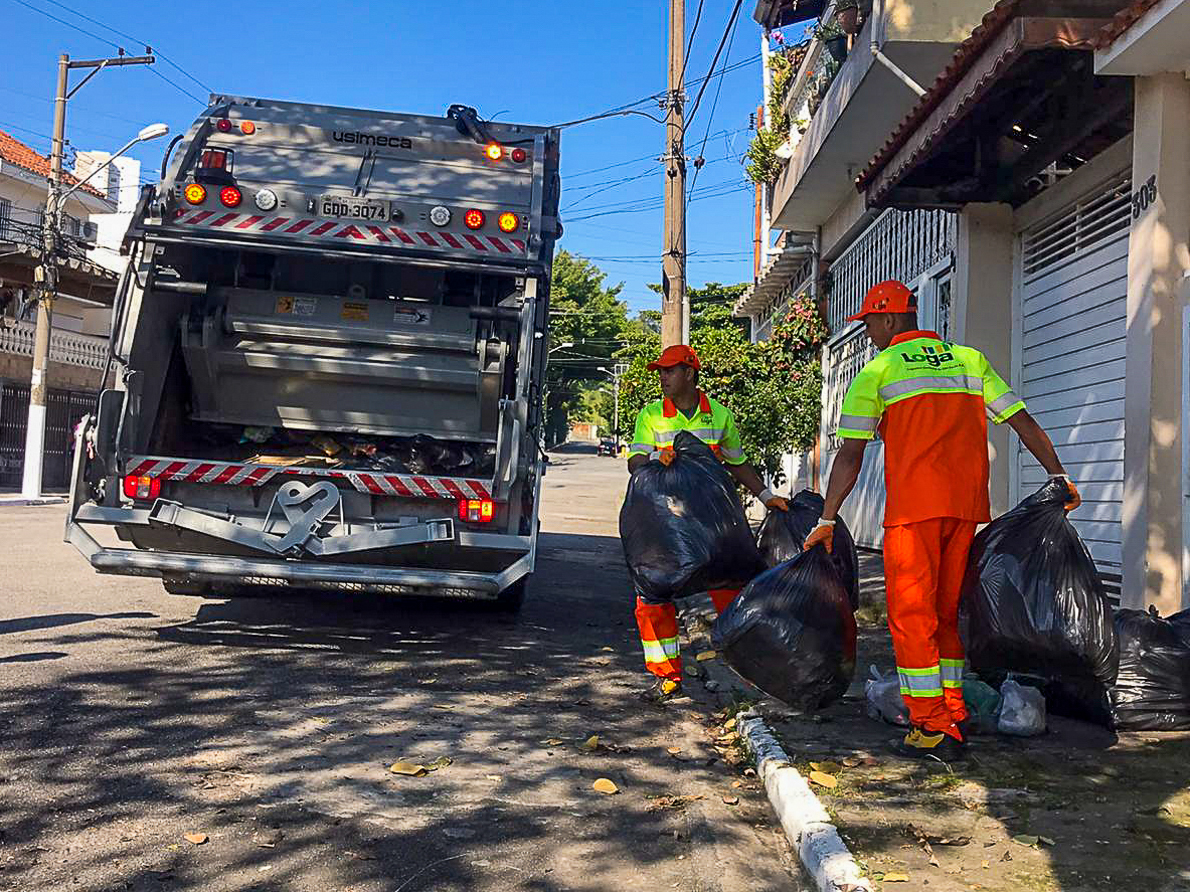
(264, 728)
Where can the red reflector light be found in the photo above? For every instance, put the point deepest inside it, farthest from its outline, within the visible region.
(230, 196)
(476, 510)
(519, 155)
(223, 125)
(509, 222)
(474, 219)
(494, 151)
(195, 194)
(142, 488)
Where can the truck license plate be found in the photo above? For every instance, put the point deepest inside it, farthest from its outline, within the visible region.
(342, 206)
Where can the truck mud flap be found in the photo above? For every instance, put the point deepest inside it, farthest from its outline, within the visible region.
(171, 514)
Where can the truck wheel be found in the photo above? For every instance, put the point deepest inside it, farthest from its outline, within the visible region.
(184, 585)
(512, 598)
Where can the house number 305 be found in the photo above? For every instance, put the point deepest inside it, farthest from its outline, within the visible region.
(1144, 196)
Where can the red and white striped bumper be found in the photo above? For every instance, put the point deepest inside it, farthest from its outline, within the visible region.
(242, 474)
(297, 226)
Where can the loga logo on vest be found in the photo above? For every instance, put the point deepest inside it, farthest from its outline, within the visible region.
(932, 355)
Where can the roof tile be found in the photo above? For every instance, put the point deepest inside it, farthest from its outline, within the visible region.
(17, 153)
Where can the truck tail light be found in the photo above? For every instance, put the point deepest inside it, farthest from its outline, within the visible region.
(142, 488)
(213, 159)
(474, 219)
(230, 196)
(476, 510)
(509, 222)
(518, 155)
(195, 194)
(223, 125)
(247, 128)
(494, 151)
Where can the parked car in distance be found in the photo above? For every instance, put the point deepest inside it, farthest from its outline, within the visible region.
(607, 446)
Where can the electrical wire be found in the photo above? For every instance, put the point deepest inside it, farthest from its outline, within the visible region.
(690, 42)
(727, 32)
(157, 51)
(48, 15)
(610, 114)
(178, 87)
(714, 105)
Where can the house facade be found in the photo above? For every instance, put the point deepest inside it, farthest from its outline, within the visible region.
(82, 312)
(1037, 197)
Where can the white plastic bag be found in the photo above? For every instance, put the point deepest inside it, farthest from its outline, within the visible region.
(884, 700)
(1022, 710)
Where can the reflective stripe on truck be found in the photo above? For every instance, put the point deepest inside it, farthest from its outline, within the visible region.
(247, 474)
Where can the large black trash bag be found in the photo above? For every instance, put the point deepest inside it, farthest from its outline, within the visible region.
(683, 527)
(1152, 690)
(1032, 601)
(784, 532)
(791, 632)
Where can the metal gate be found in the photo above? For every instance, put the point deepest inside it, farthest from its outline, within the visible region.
(63, 411)
(1070, 362)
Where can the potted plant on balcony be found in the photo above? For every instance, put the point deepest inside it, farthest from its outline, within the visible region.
(834, 39)
(847, 16)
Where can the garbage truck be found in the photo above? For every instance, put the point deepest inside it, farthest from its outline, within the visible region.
(327, 358)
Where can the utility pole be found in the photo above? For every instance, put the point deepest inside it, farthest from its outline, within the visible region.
(47, 272)
(619, 369)
(675, 309)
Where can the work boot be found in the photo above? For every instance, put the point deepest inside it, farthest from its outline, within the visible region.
(662, 691)
(919, 744)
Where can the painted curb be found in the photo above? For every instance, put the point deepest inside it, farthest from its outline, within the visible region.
(806, 823)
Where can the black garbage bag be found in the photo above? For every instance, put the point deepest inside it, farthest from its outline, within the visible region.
(791, 632)
(1032, 601)
(784, 532)
(1152, 690)
(683, 528)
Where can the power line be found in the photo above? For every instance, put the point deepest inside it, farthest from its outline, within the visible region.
(714, 105)
(690, 42)
(135, 39)
(48, 15)
(727, 32)
(176, 86)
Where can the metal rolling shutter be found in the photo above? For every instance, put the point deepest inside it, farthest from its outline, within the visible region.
(1074, 282)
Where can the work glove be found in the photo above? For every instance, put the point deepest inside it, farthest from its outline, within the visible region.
(773, 502)
(665, 456)
(1073, 499)
(823, 534)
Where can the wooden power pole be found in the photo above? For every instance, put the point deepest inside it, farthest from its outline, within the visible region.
(675, 309)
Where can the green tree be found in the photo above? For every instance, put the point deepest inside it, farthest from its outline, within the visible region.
(774, 388)
(588, 315)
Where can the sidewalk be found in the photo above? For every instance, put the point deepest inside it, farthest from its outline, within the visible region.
(1079, 808)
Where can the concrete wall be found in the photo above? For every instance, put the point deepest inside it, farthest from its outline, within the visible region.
(981, 315)
(945, 21)
(1155, 392)
(18, 370)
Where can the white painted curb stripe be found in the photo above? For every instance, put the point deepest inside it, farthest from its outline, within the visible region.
(806, 822)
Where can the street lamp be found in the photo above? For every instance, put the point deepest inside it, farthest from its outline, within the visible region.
(51, 231)
(562, 346)
(615, 371)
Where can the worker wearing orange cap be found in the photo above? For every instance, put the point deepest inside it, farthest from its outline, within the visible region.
(928, 399)
(684, 408)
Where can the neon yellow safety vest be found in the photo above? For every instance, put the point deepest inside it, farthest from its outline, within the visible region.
(659, 423)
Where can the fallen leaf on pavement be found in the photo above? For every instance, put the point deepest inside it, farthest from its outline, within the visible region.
(443, 706)
(693, 671)
(590, 744)
(729, 724)
(950, 840)
(706, 655)
(1046, 840)
(853, 761)
(736, 784)
(896, 878)
(493, 777)
(827, 767)
(409, 768)
(824, 780)
(440, 762)
(674, 750)
(605, 786)
(554, 741)
(1007, 856)
(1025, 839)
(731, 800)
(610, 650)
(660, 803)
(197, 838)
(986, 865)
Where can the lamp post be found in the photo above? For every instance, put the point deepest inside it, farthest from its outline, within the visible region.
(616, 371)
(48, 278)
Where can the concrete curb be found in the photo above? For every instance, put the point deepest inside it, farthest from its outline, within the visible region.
(21, 502)
(807, 824)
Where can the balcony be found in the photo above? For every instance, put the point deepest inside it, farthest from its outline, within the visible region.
(841, 112)
(66, 347)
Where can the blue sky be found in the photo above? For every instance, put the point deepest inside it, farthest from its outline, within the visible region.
(530, 61)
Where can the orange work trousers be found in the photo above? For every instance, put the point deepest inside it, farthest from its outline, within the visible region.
(923, 571)
(658, 625)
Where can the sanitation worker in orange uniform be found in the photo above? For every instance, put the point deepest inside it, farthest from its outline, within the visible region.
(684, 408)
(929, 400)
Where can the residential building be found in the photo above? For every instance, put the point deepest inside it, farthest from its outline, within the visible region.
(120, 182)
(82, 312)
(1056, 138)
